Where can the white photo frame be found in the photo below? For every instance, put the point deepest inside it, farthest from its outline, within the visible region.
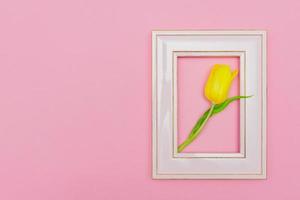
(250, 162)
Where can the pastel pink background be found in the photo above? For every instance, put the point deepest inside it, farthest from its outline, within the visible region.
(221, 133)
(75, 106)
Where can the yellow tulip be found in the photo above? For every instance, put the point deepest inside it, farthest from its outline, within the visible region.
(219, 82)
(216, 91)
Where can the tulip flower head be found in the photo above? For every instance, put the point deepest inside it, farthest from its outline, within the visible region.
(219, 83)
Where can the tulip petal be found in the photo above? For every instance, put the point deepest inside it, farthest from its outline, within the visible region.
(209, 82)
(234, 74)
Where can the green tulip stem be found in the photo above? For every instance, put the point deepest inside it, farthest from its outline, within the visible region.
(195, 134)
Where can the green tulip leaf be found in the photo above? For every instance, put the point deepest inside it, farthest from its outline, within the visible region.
(202, 120)
(220, 107)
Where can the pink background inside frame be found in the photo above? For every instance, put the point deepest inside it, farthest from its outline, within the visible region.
(221, 133)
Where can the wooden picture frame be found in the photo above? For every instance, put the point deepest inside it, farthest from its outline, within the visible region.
(250, 161)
